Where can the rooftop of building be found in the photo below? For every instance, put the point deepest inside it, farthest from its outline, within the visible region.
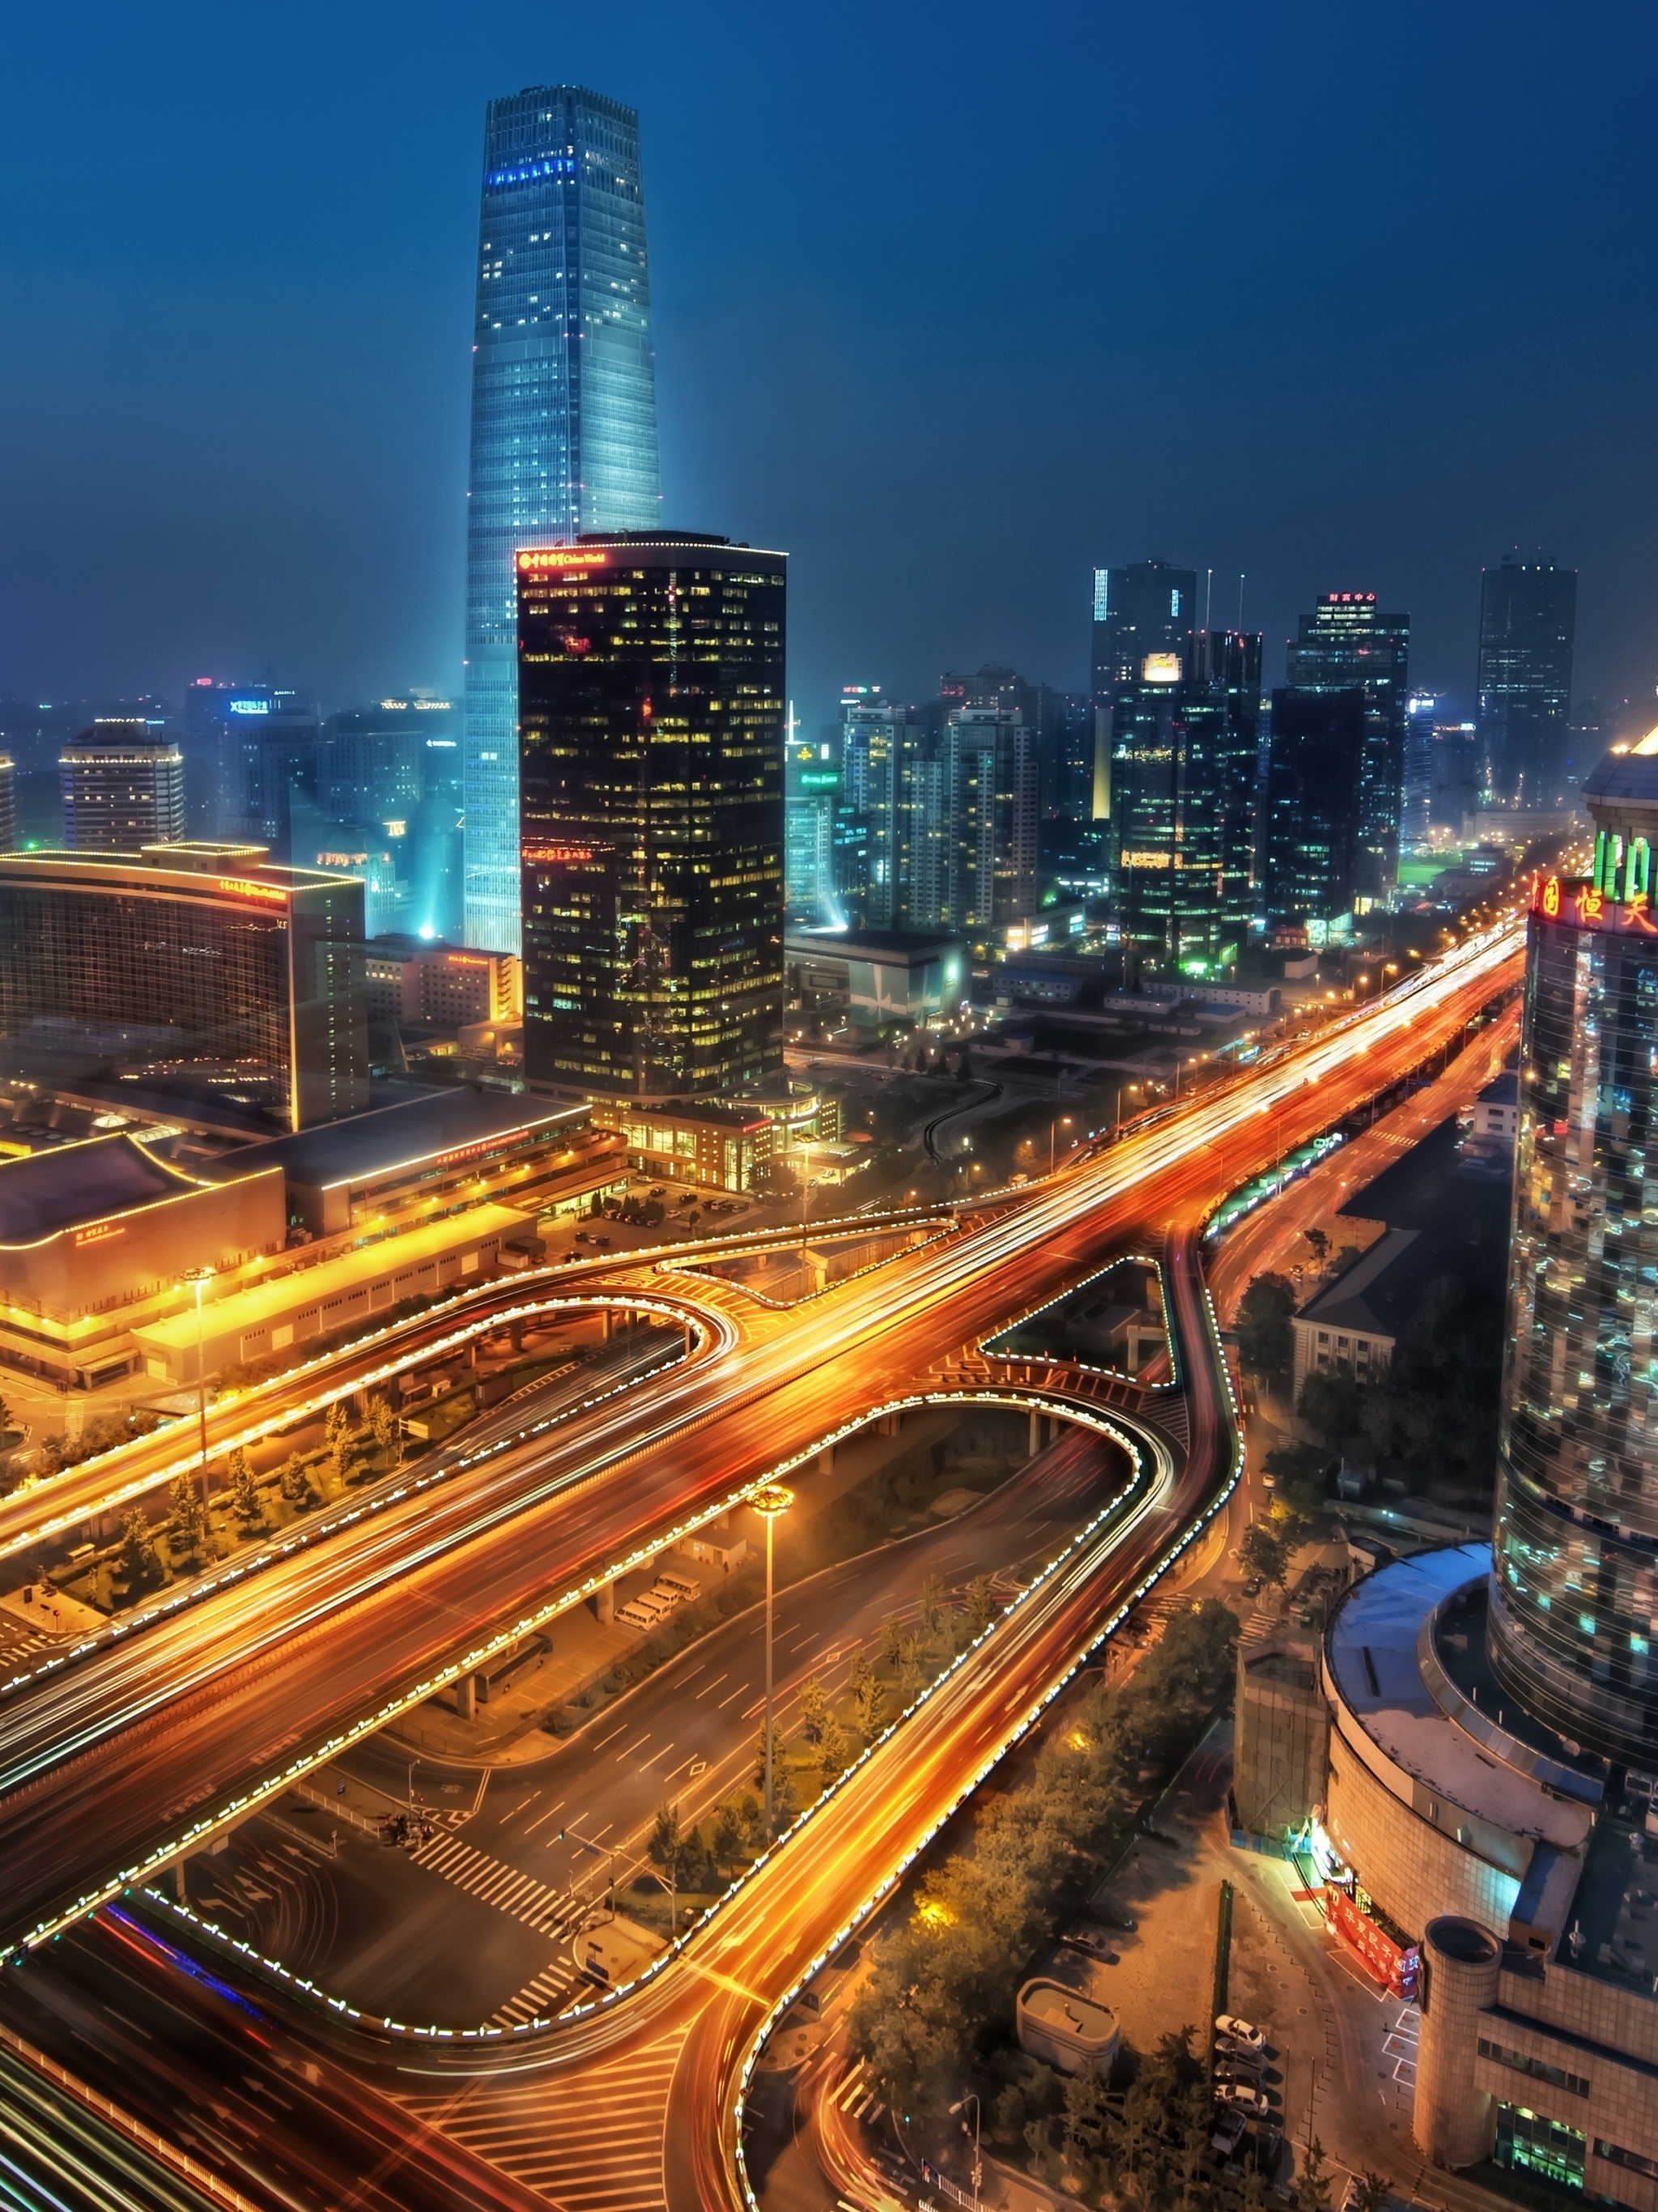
(75, 1184)
(1375, 1650)
(714, 1111)
(1611, 1915)
(901, 947)
(1628, 774)
(237, 868)
(387, 1139)
(1377, 1295)
(1504, 1091)
(1453, 1198)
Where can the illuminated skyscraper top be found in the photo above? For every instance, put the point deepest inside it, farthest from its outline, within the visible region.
(563, 416)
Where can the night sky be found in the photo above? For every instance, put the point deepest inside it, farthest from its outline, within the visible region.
(951, 302)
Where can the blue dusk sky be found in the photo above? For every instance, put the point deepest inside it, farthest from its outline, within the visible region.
(951, 302)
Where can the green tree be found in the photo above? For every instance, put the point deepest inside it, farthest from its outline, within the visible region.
(869, 1696)
(9, 1421)
(1372, 2192)
(665, 1844)
(894, 1637)
(1332, 1401)
(814, 1708)
(1264, 1552)
(1318, 1241)
(930, 1606)
(337, 1425)
(832, 1744)
(981, 1604)
(1266, 1340)
(294, 1481)
(244, 1500)
(383, 1422)
(728, 1844)
(1312, 2182)
(1297, 1471)
(140, 1561)
(184, 1508)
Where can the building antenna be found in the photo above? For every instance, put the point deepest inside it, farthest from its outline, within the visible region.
(1208, 595)
(1240, 602)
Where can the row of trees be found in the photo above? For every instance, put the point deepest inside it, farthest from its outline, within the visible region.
(943, 1982)
(1432, 1408)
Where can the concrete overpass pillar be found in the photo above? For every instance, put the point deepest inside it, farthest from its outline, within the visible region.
(890, 1424)
(604, 1604)
(465, 1702)
(481, 1685)
(826, 1460)
(1035, 1443)
(607, 1321)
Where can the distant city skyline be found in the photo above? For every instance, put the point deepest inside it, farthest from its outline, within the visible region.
(238, 440)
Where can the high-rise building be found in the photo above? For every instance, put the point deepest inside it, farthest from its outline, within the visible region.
(563, 416)
(1184, 751)
(8, 804)
(1573, 1608)
(1312, 811)
(652, 708)
(1145, 610)
(989, 788)
(198, 961)
(123, 786)
(1346, 642)
(1454, 780)
(1527, 615)
(812, 797)
(1415, 809)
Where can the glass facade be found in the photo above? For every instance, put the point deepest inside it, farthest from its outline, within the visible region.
(1183, 771)
(1347, 644)
(1575, 1586)
(1529, 2143)
(1528, 619)
(651, 713)
(563, 416)
(189, 963)
(1311, 804)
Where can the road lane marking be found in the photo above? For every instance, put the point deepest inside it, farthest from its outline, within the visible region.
(714, 1684)
(542, 1819)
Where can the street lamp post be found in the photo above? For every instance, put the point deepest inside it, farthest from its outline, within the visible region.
(770, 1500)
(198, 1278)
(1064, 1122)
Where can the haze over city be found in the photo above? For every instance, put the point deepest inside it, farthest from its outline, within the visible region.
(951, 305)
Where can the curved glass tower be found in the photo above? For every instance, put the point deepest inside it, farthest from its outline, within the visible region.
(1575, 1586)
(563, 416)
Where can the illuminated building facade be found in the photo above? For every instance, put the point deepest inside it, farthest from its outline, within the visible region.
(7, 802)
(1183, 756)
(989, 788)
(1574, 1585)
(1144, 607)
(563, 416)
(651, 705)
(1345, 644)
(122, 784)
(1312, 806)
(198, 961)
(1528, 620)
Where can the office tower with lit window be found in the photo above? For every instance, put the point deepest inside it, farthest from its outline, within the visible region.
(652, 711)
(1528, 618)
(812, 797)
(7, 802)
(1454, 780)
(1416, 807)
(1184, 753)
(1348, 643)
(1312, 810)
(1574, 1613)
(563, 416)
(1145, 610)
(122, 787)
(195, 967)
(987, 788)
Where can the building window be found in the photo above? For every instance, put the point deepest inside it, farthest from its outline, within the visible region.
(1615, 2154)
(1539, 2069)
(1527, 2142)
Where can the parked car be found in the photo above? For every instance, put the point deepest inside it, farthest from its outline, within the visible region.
(1238, 2070)
(1243, 2098)
(1227, 2046)
(1240, 2030)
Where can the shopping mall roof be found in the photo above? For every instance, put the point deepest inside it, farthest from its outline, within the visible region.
(1380, 1662)
(387, 1140)
(72, 1185)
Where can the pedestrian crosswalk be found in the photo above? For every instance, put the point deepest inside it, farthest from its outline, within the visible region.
(582, 2154)
(541, 1999)
(492, 1881)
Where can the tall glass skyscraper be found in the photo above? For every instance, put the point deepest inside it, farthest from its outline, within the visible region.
(1527, 616)
(1345, 642)
(563, 416)
(1574, 1613)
